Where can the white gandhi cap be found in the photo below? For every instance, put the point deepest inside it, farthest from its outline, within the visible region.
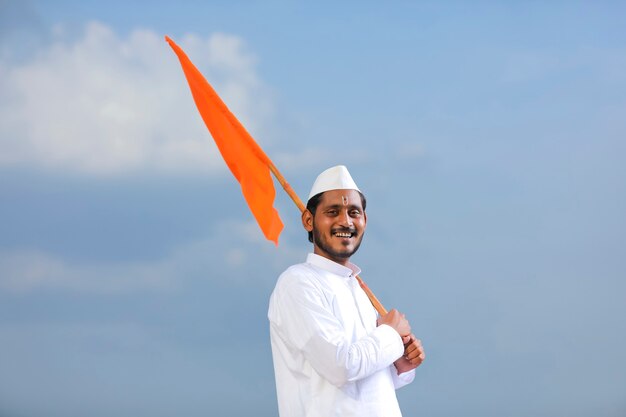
(335, 178)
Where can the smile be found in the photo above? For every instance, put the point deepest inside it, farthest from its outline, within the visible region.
(344, 234)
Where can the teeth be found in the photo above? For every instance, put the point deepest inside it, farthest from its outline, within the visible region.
(343, 234)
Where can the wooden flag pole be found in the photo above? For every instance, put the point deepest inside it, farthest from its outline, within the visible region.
(287, 187)
(377, 304)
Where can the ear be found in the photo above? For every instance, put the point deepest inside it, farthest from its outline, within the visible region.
(307, 220)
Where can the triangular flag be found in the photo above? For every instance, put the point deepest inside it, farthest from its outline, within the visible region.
(246, 160)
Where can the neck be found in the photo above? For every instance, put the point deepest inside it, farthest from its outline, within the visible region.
(340, 261)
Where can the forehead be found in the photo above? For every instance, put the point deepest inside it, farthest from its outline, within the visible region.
(341, 198)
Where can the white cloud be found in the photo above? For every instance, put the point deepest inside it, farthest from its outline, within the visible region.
(306, 158)
(239, 244)
(27, 270)
(318, 157)
(106, 105)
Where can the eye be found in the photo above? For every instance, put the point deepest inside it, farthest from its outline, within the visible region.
(355, 213)
(331, 212)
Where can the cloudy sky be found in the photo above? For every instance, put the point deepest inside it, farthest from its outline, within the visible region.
(488, 137)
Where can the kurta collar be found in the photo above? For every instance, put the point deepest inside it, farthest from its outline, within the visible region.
(333, 267)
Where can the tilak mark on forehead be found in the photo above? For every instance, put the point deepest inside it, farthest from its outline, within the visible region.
(344, 200)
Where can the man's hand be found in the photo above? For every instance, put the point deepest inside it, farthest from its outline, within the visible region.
(397, 321)
(413, 354)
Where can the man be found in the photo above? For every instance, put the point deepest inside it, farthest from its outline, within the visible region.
(332, 357)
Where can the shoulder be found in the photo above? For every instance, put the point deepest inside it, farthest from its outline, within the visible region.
(302, 283)
(296, 276)
(297, 287)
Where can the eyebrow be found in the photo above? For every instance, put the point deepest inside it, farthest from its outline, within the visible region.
(339, 206)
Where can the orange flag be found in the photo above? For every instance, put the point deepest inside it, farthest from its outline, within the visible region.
(246, 160)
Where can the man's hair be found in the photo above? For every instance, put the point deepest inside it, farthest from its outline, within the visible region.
(314, 201)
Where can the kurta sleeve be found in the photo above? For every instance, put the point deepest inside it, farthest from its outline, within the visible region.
(313, 329)
(403, 379)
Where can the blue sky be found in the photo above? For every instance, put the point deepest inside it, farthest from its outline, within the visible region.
(488, 138)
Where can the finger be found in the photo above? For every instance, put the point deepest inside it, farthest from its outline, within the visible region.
(418, 351)
(413, 351)
(410, 348)
(418, 344)
(417, 360)
(412, 354)
(413, 344)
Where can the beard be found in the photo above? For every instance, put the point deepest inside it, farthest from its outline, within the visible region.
(321, 242)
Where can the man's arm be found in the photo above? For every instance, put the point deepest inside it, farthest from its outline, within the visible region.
(301, 316)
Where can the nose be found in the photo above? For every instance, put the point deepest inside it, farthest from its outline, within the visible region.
(345, 219)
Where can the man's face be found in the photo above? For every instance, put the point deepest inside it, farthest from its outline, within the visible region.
(338, 225)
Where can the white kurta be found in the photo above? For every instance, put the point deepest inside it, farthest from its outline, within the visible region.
(330, 358)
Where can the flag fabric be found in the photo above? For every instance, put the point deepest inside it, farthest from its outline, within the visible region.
(245, 159)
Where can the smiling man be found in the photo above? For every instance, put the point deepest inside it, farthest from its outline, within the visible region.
(332, 355)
